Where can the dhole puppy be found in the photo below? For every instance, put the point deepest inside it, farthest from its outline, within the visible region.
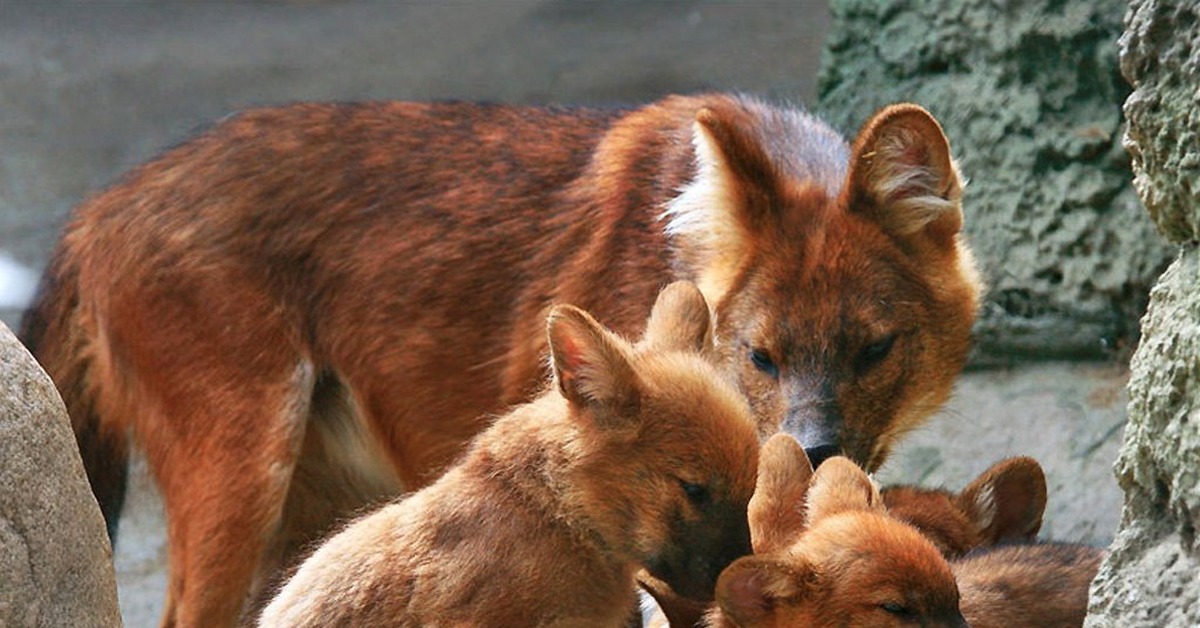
(989, 530)
(635, 457)
(1042, 585)
(307, 309)
(1004, 504)
(1037, 585)
(842, 561)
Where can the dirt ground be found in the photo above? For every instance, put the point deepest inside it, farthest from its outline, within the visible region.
(88, 90)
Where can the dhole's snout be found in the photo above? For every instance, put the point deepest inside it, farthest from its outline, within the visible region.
(814, 419)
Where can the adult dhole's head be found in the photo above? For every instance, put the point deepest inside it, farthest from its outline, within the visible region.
(843, 290)
(668, 449)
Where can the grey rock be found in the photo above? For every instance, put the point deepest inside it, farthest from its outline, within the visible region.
(1158, 56)
(1152, 576)
(1030, 97)
(55, 556)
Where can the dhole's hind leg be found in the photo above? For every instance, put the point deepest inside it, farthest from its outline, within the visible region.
(224, 469)
(342, 472)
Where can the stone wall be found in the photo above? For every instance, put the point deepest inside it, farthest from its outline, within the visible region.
(1030, 95)
(1152, 576)
(55, 559)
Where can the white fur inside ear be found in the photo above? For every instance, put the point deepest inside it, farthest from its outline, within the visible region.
(703, 217)
(985, 504)
(915, 194)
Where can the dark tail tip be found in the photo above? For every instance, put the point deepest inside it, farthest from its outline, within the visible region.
(106, 461)
(46, 330)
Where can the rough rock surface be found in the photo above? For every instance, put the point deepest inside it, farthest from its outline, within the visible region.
(1152, 577)
(55, 560)
(1030, 97)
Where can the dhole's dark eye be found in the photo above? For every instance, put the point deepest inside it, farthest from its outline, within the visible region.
(762, 361)
(874, 353)
(895, 609)
(696, 493)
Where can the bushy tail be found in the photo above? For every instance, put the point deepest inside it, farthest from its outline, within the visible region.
(51, 330)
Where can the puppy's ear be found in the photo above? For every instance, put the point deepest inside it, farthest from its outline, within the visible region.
(902, 177)
(752, 587)
(839, 485)
(592, 366)
(680, 320)
(776, 511)
(1007, 501)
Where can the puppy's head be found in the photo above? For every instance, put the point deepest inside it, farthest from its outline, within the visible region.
(1005, 503)
(667, 448)
(851, 566)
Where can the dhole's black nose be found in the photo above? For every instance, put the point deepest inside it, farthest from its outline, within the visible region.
(821, 453)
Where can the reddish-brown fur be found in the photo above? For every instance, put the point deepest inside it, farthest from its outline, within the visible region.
(1041, 585)
(847, 564)
(988, 530)
(556, 505)
(308, 309)
(1004, 504)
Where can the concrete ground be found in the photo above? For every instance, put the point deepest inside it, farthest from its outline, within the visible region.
(88, 90)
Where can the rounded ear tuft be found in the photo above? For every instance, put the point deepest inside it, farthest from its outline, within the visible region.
(752, 586)
(1007, 501)
(680, 320)
(776, 511)
(712, 216)
(839, 485)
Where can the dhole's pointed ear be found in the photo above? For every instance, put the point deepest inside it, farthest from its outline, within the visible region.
(591, 364)
(901, 176)
(1007, 501)
(714, 215)
(776, 511)
(751, 587)
(839, 485)
(680, 320)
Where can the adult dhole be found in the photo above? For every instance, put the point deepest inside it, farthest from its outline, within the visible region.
(311, 308)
